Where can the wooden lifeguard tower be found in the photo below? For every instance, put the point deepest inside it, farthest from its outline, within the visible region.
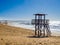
(41, 25)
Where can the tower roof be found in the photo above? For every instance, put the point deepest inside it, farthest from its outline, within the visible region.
(40, 14)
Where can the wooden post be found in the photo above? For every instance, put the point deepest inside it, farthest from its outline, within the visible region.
(44, 27)
(48, 31)
(35, 25)
(40, 25)
(38, 31)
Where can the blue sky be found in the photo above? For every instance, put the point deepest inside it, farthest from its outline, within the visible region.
(24, 9)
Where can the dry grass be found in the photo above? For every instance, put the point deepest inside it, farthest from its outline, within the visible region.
(19, 36)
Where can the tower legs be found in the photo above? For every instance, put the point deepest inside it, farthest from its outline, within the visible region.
(43, 32)
(46, 31)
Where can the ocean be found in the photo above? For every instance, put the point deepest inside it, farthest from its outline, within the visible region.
(54, 26)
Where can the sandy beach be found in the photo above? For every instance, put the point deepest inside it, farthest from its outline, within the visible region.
(19, 36)
(29, 22)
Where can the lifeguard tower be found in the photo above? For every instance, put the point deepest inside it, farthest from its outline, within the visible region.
(41, 25)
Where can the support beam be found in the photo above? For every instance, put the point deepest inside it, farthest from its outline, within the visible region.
(35, 26)
(44, 27)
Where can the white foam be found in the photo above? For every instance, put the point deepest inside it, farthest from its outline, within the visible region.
(55, 31)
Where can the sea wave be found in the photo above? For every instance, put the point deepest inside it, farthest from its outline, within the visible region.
(54, 26)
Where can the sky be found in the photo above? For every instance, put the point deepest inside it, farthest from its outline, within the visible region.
(24, 9)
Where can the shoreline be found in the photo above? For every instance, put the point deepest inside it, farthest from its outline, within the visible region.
(54, 32)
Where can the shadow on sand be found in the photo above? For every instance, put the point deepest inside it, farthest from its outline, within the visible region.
(37, 36)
